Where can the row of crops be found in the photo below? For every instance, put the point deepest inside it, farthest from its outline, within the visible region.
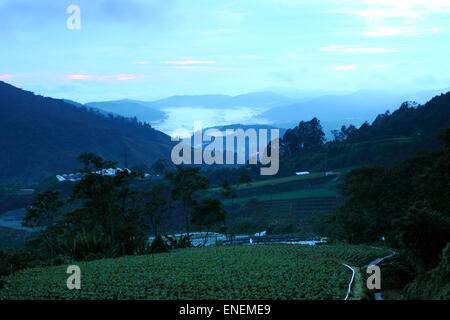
(231, 272)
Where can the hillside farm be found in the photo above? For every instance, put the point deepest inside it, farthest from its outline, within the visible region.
(229, 272)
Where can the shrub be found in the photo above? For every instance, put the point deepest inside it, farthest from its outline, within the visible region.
(434, 284)
(423, 235)
(13, 260)
(158, 245)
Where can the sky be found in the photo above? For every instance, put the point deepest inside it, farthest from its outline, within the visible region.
(150, 49)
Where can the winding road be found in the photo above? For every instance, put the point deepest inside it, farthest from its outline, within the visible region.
(377, 295)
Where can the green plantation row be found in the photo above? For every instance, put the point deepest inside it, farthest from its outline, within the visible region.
(235, 272)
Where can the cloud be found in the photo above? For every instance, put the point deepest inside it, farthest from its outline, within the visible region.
(5, 76)
(387, 31)
(141, 62)
(344, 68)
(398, 18)
(114, 77)
(250, 57)
(349, 49)
(189, 62)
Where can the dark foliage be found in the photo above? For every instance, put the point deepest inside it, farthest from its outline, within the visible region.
(158, 245)
(390, 139)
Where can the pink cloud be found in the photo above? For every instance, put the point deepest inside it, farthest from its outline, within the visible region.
(80, 77)
(5, 76)
(344, 68)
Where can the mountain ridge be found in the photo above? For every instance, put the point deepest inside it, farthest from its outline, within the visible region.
(42, 136)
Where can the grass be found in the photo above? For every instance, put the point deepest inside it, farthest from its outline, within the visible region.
(237, 272)
(274, 181)
(290, 195)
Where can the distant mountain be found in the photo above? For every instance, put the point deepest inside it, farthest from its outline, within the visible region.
(262, 99)
(249, 126)
(336, 110)
(192, 101)
(130, 109)
(76, 104)
(80, 105)
(43, 136)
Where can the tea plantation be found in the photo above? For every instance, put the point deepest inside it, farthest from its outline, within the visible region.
(224, 272)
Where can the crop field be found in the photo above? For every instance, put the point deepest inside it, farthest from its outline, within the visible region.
(289, 195)
(275, 181)
(302, 206)
(229, 272)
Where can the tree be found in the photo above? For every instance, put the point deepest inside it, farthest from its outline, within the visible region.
(107, 203)
(92, 163)
(432, 184)
(207, 213)
(156, 207)
(185, 183)
(424, 233)
(228, 191)
(362, 214)
(245, 178)
(344, 133)
(307, 136)
(43, 211)
(42, 214)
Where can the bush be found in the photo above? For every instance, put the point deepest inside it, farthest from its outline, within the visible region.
(434, 284)
(423, 235)
(183, 242)
(158, 245)
(14, 260)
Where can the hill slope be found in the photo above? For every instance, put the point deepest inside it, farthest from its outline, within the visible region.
(389, 139)
(335, 111)
(44, 136)
(130, 109)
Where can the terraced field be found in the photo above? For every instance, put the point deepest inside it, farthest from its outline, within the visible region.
(303, 206)
(237, 272)
(276, 181)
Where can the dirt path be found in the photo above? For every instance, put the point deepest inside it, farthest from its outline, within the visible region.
(378, 295)
(351, 281)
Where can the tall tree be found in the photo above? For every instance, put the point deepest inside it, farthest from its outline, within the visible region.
(156, 207)
(186, 181)
(307, 136)
(245, 178)
(108, 203)
(228, 191)
(42, 215)
(207, 213)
